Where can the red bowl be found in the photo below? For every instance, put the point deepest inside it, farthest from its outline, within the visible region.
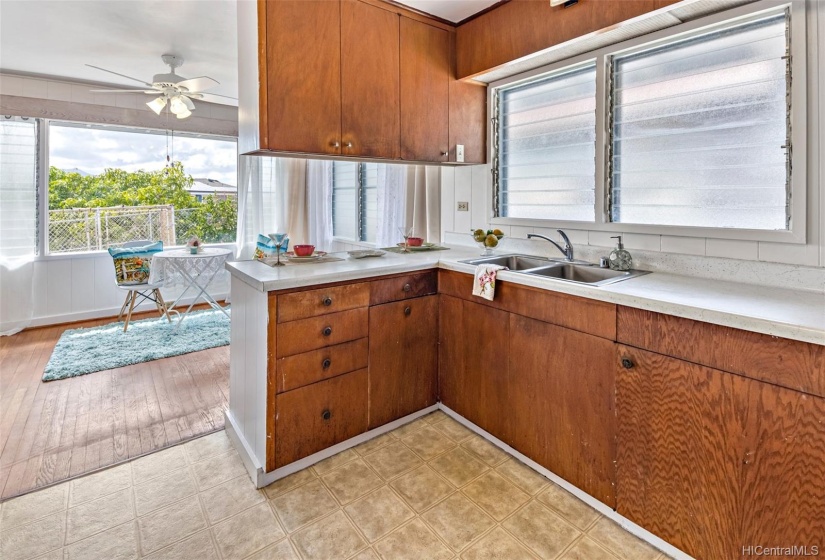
(303, 250)
(415, 241)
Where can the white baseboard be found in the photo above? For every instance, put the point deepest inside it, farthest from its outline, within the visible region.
(605, 510)
(104, 313)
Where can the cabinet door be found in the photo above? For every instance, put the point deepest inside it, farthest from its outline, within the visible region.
(303, 81)
(403, 368)
(425, 82)
(712, 462)
(561, 408)
(369, 80)
(473, 351)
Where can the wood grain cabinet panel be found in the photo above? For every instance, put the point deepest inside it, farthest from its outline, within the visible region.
(369, 81)
(473, 350)
(712, 462)
(789, 363)
(296, 337)
(403, 358)
(425, 84)
(303, 81)
(315, 417)
(561, 403)
(310, 367)
(468, 115)
(312, 303)
(403, 287)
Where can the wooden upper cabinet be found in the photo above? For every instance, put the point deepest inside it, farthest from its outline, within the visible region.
(425, 84)
(303, 76)
(369, 81)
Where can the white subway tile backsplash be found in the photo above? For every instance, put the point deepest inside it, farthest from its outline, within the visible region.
(520, 231)
(479, 206)
(35, 88)
(576, 236)
(789, 253)
(448, 207)
(463, 193)
(601, 238)
(642, 242)
(58, 91)
(683, 245)
(11, 85)
(732, 249)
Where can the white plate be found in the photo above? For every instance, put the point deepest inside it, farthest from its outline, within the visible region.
(366, 253)
(313, 257)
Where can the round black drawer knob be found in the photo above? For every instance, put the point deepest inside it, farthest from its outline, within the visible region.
(407, 288)
(326, 363)
(326, 415)
(327, 331)
(627, 363)
(407, 311)
(327, 301)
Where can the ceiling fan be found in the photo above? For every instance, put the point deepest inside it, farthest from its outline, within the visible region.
(171, 89)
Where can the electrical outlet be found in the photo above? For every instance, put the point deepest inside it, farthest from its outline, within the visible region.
(463, 206)
(459, 153)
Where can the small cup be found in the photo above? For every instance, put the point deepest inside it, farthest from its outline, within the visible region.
(193, 250)
(415, 241)
(303, 250)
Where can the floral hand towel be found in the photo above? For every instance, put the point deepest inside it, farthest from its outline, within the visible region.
(484, 283)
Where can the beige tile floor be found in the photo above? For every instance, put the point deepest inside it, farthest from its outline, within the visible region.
(429, 490)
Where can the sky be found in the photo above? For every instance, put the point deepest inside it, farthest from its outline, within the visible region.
(93, 150)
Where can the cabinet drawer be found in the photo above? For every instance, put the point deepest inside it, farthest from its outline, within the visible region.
(304, 335)
(403, 287)
(317, 416)
(312, 303)
(324, 363)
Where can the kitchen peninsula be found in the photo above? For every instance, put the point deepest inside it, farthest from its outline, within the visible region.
(571, 378)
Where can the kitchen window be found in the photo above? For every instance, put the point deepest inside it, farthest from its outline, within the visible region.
(697, 130)
(354, 201)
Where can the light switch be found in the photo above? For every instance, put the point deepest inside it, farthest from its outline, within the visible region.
(459, 153)
(463, 206)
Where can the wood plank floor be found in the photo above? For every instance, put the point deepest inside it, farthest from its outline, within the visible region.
(53, 431)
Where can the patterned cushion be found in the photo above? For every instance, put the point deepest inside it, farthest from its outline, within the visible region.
(132, 263)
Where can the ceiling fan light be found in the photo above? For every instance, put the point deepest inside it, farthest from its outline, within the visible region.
(157, 104)
(187, 102)
(178, 106)
(185, 113)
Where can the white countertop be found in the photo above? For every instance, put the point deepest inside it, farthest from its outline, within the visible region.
(779, 312)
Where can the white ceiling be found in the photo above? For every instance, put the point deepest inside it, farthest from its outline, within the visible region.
(451, 10)
(57, 37)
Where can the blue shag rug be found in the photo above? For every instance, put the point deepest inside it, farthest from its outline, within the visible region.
(82, 351)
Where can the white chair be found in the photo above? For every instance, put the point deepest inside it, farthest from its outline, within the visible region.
(145, 291)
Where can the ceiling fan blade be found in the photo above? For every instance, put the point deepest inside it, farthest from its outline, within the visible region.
(121, 75)
(219, 95)
(187, 102)
(198, 84)
(122, 91)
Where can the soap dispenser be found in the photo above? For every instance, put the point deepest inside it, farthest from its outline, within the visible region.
(619, 258)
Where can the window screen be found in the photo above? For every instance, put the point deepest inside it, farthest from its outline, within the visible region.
(546, 165)
(355, 200)
(700, 130)
(18, 187)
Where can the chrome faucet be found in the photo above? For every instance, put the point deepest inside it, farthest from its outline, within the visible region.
(567, 250)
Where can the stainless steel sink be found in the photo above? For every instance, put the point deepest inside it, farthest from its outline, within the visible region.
(584, 274)
(513, 262)
(579, 272)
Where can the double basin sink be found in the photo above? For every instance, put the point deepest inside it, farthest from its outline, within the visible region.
(576, 271)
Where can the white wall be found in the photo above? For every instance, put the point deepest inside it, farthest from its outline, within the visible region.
(473, 185)
(76, 287)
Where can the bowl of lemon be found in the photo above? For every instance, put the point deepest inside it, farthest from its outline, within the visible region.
(487, 239)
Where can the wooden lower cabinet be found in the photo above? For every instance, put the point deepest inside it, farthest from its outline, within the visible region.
(713, 462)
(560, 403)
(320, 415)
(403, 358)
(472, 363)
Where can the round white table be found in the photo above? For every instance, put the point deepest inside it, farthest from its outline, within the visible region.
(194, 271)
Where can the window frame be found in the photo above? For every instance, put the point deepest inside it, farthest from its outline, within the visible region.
(797, 231)
(44, 162)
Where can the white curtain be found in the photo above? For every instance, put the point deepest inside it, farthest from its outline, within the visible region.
(272, 198)
(18, 222)
(319, 203)
(409, 196)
